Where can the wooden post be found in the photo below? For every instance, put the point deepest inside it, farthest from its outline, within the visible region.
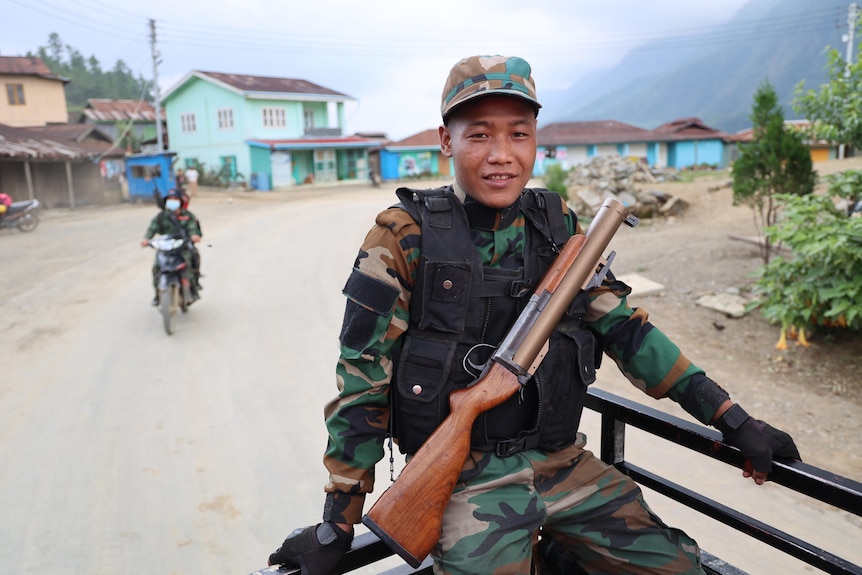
(70, 184)
(29, 176)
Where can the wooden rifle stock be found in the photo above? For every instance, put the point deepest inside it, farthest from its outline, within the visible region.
(408, 516)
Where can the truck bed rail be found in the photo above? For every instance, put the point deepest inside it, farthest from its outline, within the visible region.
(617, 413)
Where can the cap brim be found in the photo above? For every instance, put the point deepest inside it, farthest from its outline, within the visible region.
(495, 92)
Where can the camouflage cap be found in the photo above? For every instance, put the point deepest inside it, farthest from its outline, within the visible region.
(486, 75)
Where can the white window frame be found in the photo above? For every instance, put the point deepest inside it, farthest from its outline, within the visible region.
(188, 122)
(225, 118)
(308, 118)
(274, 117)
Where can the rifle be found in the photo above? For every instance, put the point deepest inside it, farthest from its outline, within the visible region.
(408, 516)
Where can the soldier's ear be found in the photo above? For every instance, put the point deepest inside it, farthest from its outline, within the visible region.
(445, 141)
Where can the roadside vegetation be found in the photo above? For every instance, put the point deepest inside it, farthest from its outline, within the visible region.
(816, 281)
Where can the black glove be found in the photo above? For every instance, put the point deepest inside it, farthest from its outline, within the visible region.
(315, 549)
(755, 439)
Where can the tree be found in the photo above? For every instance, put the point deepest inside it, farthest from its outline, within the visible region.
(86, 77)
(776, 162)
(835, 110)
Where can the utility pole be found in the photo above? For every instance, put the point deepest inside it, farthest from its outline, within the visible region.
(852, 15)
(156, 96)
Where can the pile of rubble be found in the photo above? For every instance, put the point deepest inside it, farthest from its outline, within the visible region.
(616, 177)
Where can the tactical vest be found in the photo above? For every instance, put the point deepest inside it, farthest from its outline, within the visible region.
(460, 310)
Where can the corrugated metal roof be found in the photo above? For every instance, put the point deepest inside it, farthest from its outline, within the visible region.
(312, 143)
(27, 66)
(54, 142)
(613, 132)
(426, 139)
(688, 129)
(249, 83)
(592, 132)
(804, 126)
(106, 110)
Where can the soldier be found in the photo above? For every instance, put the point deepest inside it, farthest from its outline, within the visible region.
(437, 284)
(176, 219)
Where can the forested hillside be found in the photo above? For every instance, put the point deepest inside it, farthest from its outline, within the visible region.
(88, 79)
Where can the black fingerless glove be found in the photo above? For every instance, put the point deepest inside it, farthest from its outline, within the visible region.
(756, 439)
(315, 549)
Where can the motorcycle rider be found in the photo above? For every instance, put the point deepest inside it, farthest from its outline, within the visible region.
(5, 203)
(175, 219)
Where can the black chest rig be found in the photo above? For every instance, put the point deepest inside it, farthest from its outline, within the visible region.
(460, 310)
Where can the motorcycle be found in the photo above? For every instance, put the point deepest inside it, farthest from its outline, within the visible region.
(175, 292)
(23, 215)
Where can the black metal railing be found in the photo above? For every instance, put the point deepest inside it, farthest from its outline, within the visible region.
(617, 413)
(840, 492)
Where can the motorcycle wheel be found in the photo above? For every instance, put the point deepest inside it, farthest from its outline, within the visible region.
(28, 223)
(184, 301)
(170, 301)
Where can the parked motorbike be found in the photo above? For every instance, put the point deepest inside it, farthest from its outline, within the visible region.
(23, 215)
(175, 293)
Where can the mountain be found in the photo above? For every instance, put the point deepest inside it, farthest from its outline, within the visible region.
(713, 72)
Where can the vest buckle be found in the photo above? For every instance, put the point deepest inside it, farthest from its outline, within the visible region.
(517, 288)
(509, 447)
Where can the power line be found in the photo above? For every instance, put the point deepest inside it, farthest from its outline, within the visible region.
(62, 13)
(108, 19)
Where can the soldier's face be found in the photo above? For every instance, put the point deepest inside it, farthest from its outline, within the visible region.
(492, 141)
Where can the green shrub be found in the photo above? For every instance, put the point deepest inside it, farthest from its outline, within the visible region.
(555, 180)
(820, 282)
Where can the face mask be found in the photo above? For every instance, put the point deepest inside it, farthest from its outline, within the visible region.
(172, 205)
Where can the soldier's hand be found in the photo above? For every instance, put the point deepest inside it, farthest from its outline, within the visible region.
(315, 549)
(761, 443)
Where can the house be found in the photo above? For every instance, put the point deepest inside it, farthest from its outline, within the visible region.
(415, 156)
(682, 143)
(821, 150)
(689, 143)
(134, 120)
(573, 143)
(381, 140)
(33, 95)
(61, 165)
(270, 132)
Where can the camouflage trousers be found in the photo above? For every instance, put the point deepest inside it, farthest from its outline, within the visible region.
(492, 520)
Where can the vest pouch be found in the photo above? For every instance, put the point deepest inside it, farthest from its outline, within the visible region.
(586, 351)
(448, 286)
(421, 400)
(566, 383)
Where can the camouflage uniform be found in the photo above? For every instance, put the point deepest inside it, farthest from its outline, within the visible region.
(188, 225)
(500, 502)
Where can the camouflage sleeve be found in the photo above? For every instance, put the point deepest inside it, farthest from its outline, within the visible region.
(645, 355)
(153, 228)
(376, 315)
(193, 226)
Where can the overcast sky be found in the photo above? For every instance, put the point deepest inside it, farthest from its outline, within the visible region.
(392, 56)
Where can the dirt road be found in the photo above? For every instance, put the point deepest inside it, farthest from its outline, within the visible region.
(125, 450)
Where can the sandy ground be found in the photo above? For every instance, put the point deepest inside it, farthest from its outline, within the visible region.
(127, 450)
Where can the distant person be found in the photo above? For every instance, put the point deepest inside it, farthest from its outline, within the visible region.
(374, 178)
(180, 179)
(191, 178)
(5, 203)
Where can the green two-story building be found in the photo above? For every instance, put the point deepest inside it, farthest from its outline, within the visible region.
(267, 132)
